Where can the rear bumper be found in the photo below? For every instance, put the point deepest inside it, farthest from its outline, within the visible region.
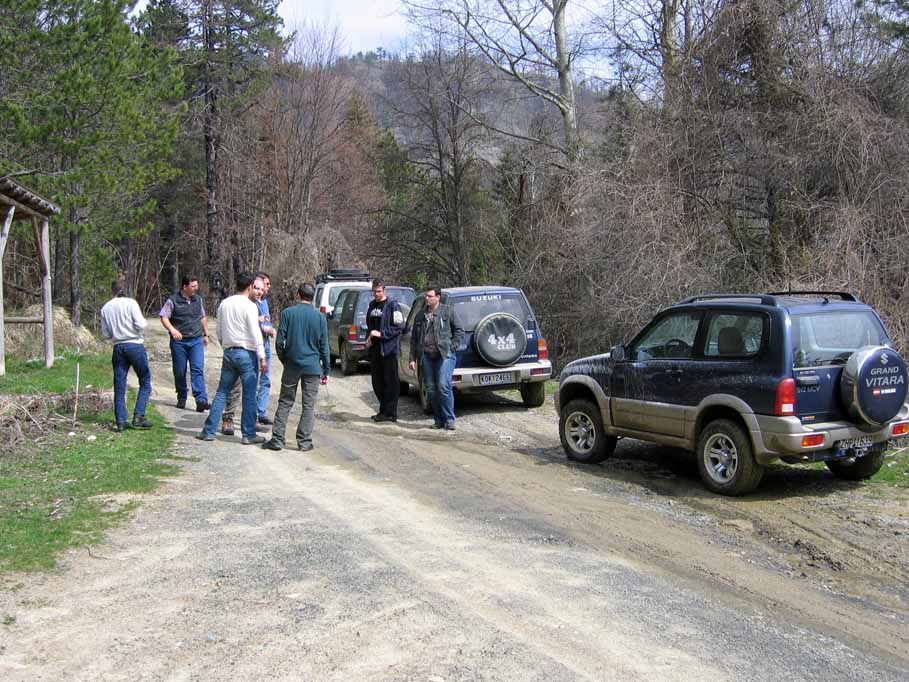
(467, 379)
(781, 438)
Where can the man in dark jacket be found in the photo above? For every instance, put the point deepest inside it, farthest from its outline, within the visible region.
(385, 322)
(302, 347)
(183, 316)
(436, 336)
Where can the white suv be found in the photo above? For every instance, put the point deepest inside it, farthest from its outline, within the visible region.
(330, 284)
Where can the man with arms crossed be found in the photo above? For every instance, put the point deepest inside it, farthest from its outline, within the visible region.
(122, 322)
(302, 346)
(183, 316)
(244, 358)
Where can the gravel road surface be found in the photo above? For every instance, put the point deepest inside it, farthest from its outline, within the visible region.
(397, 552)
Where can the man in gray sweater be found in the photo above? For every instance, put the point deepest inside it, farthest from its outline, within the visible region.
(302, 346)
(122, 322)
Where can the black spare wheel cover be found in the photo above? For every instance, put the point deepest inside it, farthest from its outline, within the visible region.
(873, 385)
(500, 339)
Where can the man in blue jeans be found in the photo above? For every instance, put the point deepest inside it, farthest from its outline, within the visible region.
(244, 358)
(122, 322)
(436, 335)
(183, 316)
(268, 332)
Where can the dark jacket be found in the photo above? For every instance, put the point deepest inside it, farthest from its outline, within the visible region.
(449, 332)
(391, 326)
(186, 315)
(302, 340)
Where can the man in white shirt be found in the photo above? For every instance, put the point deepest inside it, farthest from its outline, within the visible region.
(122, 322)
(244, 358)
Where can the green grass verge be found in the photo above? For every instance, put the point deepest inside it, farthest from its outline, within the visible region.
(895, 470)
(55, 494)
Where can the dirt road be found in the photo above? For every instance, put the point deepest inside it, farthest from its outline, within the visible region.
(397, 552)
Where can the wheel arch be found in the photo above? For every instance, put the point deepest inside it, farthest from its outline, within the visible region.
(728, 407)
(584, 387)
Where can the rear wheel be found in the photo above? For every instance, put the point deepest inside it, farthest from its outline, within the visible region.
(348, 364)
(425, 403)
(857, 469)
(533, 395)
(582, 435)
(726, 459)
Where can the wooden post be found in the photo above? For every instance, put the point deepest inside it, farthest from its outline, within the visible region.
(4, 235)
(47, 295)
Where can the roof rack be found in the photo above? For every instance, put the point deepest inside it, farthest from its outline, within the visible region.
(346, 274)
(765, 299)
(844, 296)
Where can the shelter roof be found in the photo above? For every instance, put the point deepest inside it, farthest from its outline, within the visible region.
(27, 203)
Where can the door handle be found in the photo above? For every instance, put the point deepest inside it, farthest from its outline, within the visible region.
(809, 380)
(674, 372)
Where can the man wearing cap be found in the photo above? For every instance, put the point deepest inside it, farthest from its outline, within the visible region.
(122, 322)
(183, 316)
(302, 347)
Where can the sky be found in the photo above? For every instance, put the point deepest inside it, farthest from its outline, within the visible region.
(365, 24)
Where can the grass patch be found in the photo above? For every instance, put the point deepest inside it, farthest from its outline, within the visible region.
(895, 471)
(56, 493)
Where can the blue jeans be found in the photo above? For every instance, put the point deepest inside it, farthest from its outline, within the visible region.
(264, 383)
(437, 373)
(241, 364)
(191, 350)
(128, 355)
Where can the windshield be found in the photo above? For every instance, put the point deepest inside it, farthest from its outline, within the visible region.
(830, 338)
(471, 309)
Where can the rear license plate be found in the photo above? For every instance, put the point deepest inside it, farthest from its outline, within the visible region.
(852, 443)
(496, 379)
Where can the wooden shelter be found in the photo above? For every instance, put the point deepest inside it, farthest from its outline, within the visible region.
(19, 203)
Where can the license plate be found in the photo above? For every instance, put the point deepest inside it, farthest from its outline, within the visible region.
(852, 443)
(496, 379)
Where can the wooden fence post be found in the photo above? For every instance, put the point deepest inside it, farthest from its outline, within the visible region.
(4, 235)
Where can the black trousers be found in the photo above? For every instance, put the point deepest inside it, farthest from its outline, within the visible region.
(386, 382)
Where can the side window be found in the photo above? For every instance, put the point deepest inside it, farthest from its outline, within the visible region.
(734, 335)
(671, 338)
(317, 299)
(342, 307)
(417, 308)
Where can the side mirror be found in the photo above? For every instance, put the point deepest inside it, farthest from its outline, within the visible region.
(617, 353)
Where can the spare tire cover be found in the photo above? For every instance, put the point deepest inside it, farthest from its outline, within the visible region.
(500, 339)
(873, 385)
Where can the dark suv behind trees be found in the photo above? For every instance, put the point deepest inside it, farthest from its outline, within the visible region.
(743, 381)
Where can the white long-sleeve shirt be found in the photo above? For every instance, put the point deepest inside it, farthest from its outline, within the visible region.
(122, 321)
(238, 324)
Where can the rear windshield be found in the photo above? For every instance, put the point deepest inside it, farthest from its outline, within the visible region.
(830, 338)
(403, 296)
(471, 309)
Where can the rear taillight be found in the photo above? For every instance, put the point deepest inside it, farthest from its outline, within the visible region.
(900, 429)
(812, 441)
(542, 350)
(785, 398)
(322, 309)
(352, 333)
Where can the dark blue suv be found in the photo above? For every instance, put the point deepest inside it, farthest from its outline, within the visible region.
(503, 347)
(745, 380)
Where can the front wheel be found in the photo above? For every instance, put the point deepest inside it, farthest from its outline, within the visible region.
(857, 469)
(726, 459)
(348, 364)
(533, 395)
(425, 402)
(582, 435)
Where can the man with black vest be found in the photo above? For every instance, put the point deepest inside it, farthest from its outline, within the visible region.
(183, 316)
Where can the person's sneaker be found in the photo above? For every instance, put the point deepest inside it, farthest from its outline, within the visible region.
(202, 405)
(181, 404)
(265, 420)
(449, 426)
(377, 417)
(141, 422)
(120, 427)
(227, 427)
(205, 436)
(438, 425)
(384, 418)
(255, 440)
(306, 447)
(271, 445)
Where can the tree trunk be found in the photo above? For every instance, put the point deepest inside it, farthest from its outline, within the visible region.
(75, 294)
(566, 85)
(211, 125)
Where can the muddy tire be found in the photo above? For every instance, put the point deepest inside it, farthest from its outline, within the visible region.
(423, 396)
(857, 469)
(405, 388)
(726, 459)
(582, 435)
(348, 364)
(533, 395)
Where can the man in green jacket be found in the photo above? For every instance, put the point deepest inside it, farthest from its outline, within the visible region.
(302, 347)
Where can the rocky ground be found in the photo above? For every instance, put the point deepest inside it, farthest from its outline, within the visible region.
(397, 552)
